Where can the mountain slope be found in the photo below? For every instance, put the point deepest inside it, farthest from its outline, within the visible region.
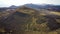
(25, 19)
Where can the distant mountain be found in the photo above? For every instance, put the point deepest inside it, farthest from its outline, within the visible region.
(35, 6)
(38, 6)
(44, 6)
(57, 7)
(5, 8)
(13, 7)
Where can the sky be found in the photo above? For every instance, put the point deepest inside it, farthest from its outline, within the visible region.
(7, 3)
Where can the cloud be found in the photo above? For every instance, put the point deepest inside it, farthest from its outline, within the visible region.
(21, 2)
